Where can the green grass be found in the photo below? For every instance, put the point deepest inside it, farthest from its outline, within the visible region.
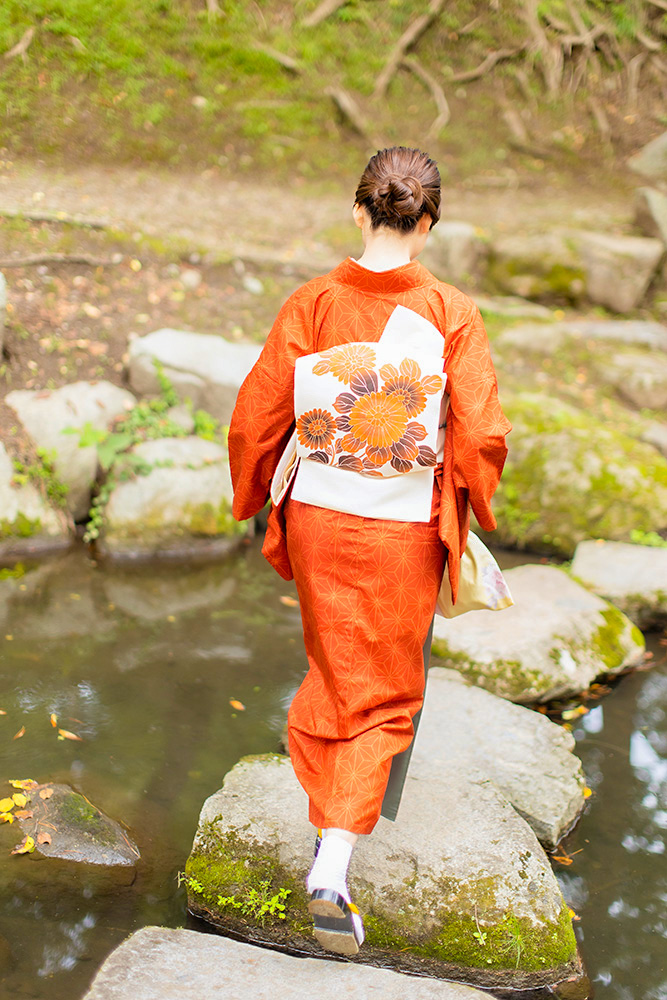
(116, 79)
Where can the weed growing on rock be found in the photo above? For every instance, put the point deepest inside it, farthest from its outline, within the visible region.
(257, 904)
(41, 474)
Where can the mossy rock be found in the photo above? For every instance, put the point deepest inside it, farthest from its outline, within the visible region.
(554, 642)
(547, 267)
(569, 477)
(458, 888)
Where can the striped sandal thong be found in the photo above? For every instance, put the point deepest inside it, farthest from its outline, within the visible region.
(333, 924)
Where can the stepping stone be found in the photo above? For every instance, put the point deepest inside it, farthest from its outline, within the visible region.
(528, 758)
(634, 577)
(458, 888)
(554, 641)
(159, 963)
(29, 525)
(207, 369)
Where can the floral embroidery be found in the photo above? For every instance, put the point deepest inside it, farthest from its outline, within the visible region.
(316, 429)
(346, 361)
(374, 430)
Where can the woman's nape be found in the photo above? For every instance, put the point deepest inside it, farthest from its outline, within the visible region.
(385, 248)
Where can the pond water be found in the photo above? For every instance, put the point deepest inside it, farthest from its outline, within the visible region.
(143, 663)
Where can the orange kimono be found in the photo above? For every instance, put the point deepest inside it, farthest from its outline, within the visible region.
(367, 587)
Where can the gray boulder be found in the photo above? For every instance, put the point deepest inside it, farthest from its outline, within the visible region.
(651, 213)
(512, 306)
(545, 266)
(77, 830)
(181, 507)
(651, 161)
(45, 415)
(207, 369)
(545, 338)
(554, 642)
(163, 963)
(459, 862)
(634, 577)
(619, 269)
(640, 377)
(523, 754)
(29, 525)
(569, 477)
(456, 252)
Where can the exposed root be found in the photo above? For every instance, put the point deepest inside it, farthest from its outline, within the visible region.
(438, 94)
(60, 217)
(213, 9)
(353, 114)
(322, 12)
(21, 46)
(57, 258)
(600, 118)
(287, 62)
(404, 44)
(484, 67)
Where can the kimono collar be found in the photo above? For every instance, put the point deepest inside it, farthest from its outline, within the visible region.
(397, 279)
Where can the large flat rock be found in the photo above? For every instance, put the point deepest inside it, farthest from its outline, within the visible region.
(46, 415)
(181, 507)
(634, 577)
(619, 269)
(545, 338)
(527, 757)
(158, 963)
(459, 860)
(570, 476)
(651, 160)
(554, 641)
(207, 369)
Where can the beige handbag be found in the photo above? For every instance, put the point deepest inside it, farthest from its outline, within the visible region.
(482, 586)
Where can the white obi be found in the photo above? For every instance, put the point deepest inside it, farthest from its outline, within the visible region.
(367, 424)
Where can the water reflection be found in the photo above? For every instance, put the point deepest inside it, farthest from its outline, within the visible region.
(143, 664)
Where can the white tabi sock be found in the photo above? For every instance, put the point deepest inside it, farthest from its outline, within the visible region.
(329, 871)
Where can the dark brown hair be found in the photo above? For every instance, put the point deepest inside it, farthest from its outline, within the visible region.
(398, 186)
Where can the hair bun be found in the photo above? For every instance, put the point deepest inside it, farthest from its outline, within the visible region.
(399, 197)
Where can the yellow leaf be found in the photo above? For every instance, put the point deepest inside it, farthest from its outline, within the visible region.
(19, 734)
(54, 719)
(27, 846)
(25, 783)
(20, 799)
(6, 818)
(46, 793)
(574, 713)
(238, 705)
(588, 792)
(66, 735)
(6, 805)
(289, 601)
(2, 711)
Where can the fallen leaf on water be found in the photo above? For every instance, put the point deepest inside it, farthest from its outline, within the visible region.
(237, 704)
(25, 783)
(2, 711)
(46, 793)
(574, 713)
(6, 805)
(19, 734)
(54, 719)
(588, 792)
(562, 859)
(573, 915)
(19, 799)
(43, 838)
(27, 846)
(64, 734)
(290, 602)
(24, 814)
(6, 817)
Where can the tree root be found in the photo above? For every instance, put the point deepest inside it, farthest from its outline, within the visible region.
(57, 258)
(21, 46)
(287, 62)
(353, 114)
(404, 44)
(322, 12)
(484, 67)
(438, 94)
(59, 217)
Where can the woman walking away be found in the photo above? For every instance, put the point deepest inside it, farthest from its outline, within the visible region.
(342, 420)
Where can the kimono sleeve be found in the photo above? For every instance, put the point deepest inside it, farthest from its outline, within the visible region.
(263, 416)
(479, 425)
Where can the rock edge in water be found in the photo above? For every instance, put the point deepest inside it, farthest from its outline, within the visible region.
(426, 885)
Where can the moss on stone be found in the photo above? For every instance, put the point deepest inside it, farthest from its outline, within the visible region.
(507, 678)
(21, 527)
(606, 640)
(206, 519)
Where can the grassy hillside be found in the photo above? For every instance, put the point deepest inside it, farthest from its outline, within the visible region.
(173, 82)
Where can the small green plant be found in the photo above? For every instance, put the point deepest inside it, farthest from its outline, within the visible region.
(12, 572)
(479, 935)
(652, 538)
(43, 475)
(147, 421)
(258, 904)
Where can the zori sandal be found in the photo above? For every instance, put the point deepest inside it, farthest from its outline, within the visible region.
(318, 841)
(334, 926)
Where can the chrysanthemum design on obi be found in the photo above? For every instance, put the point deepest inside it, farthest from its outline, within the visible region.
(370, 426)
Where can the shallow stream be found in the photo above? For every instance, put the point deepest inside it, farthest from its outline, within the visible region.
(143, 665)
